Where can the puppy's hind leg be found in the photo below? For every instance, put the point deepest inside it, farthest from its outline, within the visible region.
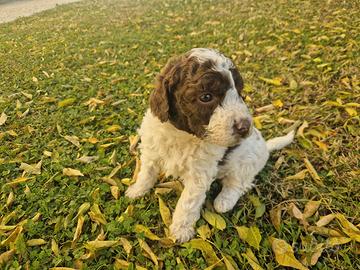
(146, 179)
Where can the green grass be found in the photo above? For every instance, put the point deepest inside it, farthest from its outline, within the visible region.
(112, 50)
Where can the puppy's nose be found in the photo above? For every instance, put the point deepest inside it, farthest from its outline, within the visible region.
(242, 127)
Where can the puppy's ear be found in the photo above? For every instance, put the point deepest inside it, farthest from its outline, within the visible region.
(166, 83)
(239, 83)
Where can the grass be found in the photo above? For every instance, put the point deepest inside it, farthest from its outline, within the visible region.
(56, 61)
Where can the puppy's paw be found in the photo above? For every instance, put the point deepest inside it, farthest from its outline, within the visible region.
(135, 191)
(182, 233)
(224, 204)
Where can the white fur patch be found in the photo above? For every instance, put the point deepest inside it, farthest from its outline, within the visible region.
(203, 54)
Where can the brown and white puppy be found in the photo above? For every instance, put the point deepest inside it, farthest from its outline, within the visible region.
(197, 129)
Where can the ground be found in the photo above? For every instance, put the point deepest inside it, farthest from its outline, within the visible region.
(74, 85)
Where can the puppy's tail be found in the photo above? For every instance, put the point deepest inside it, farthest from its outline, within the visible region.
(280, 142)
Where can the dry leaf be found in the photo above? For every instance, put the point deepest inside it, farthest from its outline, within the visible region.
(250, 235)
(133, 139)
(55, 247)
(204, 231)
(275, 81)
(146, 231)
(312, 171)
(265, 108)
(347, 227)
(17, 181)
(278, 103)
(300, 131)
(71, 172)
(96, 245)
(10, 199)
(296, 213)
(324, 231)
(214, 219)
(115, 192)
(325, 220)
(259, 206)
(334, 241)
(144, 246)
(206, 249)
(126, 245)
(6, 256)
(299, 176)
(3, 118)
(275, 216)
(31, 169)
(310, 208)
(66, 102)
(113, 128)
(35, 242)
(164, 212)
(78, 230)
(252, 260)
(284, 254)
(83, 209)
(87, 159)
(73, 139)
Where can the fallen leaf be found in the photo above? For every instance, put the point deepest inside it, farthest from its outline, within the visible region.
(252, 260)
(17, 181)
(87, 159)
(31, 169)
(334, 241)
(284, 254)
(275, 81)
(78, 230)
(66, 102)
(126, 245)
(275, 216)
(348, 228)
(278, 103)
(230, 264)
(204, 231)
(113, 128)
(115, 192)
(299, 176)
(134, 140)
(259, 206)
(296, 213)
(27, 95)
(325, 220)
(82, 209)
(35, 242)
(10, 199)
(71, 172)
(351, 112)
(6, 256)
(55, 247)
(96, 215)
(96, 245)
(310, 208)
(146, 231)
(144, 246)
(312, 171)
(300, 131)
(73, 139)
(164, 212)
(3, 118)
(250, 235)
(214, 219)
(205, 248)
(324, 231)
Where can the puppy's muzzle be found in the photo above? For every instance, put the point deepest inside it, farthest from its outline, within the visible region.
(242, 127)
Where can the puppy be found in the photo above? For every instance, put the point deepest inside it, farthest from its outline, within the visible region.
(199, 129)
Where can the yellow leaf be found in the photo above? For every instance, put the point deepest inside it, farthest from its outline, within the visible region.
(275, 81)
(214, 219)
(314, 256)
(115, 192)
(6, 256)
(12, 237)
(312, 171)
(250, 235)
(352, 112)
(27, 95)
(284, 254)
(275, 216)
(121, 264)
(82, 209)
(78, 230)
(324, 231)
(325, 220)
(3, 118)
(206, 249)
(96, 245)
(66, 102)
(347, 227)
(164, 212)
(174, 185)
(278, 103)
(71, 172)
(321, 145)
(146, 231)
(204, 231)
(126, 245)
(265, 108)
(252, 260)
(31, 169)
(144, 246)
(87, 159)
(334, 241)
(137, 168)
(299, 176)
(310, 208)
(134, 140)
(96, 215)
(55, 247)
(230, 264)
(159, 191)
(61, 268)
(257, 122)
(73, 139)
(93, 140)
(10, 199)
(35, 242)
(300, 131)
(113, 128)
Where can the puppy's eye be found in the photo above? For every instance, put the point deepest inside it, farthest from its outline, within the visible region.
(206, 98)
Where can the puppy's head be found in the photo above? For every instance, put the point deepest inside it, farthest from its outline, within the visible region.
(200, 92)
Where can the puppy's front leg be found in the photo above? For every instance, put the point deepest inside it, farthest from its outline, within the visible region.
(146, 179)
(187, 210)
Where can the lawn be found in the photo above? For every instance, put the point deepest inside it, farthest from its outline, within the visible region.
(74, 84)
